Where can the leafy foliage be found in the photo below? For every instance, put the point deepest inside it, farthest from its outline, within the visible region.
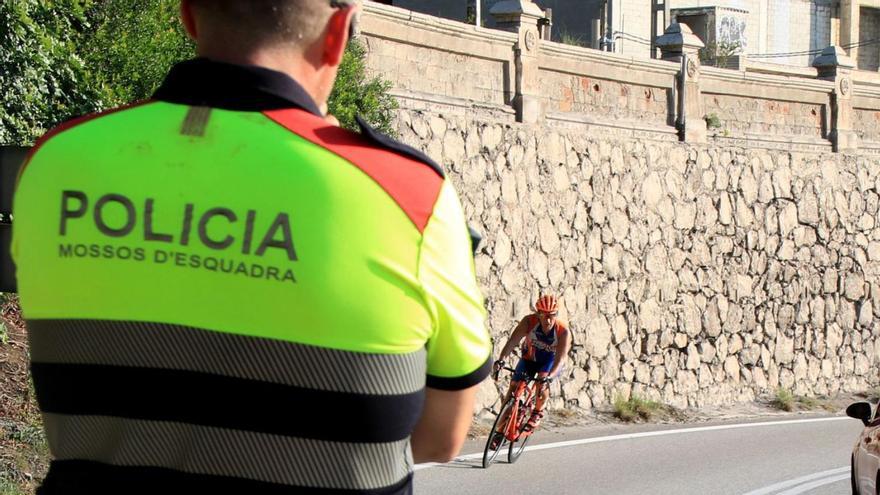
(133, 45)
(636, 408)
(713, 121)
(357, 94)
(719, 54)
(64, 58)
(43, 78)
(784, 400)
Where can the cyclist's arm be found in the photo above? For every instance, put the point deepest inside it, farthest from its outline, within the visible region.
(459, 348)
(444, 424)
(519, 333)
(561, 352)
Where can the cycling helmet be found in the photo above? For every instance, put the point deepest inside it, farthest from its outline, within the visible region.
(547, 304)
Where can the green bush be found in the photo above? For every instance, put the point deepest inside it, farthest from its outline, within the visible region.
(784, 400)
(357, 94)
(636, 408)
(712, 121)
(42, 75)
(131, 46)
(65, 58)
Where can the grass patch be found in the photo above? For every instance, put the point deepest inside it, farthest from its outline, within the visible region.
(784, 400)
(636, 409)
(25, 456)
(872, 395)
(713, 121)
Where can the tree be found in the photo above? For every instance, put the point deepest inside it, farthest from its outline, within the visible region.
(357, 94)
(132, 46)
(137, 41)
(44, 81)
(64, 58)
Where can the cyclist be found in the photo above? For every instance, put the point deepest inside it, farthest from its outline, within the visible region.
(546, 341)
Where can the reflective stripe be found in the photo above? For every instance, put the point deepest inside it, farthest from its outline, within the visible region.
(222, 452)
(175, 347)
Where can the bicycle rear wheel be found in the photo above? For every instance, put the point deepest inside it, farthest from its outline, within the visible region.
(517, 447)
(489, 454)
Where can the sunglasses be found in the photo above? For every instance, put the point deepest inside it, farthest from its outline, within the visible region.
(549, 315)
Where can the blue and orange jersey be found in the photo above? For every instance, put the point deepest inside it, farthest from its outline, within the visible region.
(539, 346)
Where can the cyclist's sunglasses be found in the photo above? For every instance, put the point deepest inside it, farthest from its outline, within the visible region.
(549, 315)
(345, 4)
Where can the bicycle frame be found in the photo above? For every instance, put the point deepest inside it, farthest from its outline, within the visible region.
(523, 396)
(511, 420)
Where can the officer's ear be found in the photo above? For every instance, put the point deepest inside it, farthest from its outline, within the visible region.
(188, 19)
(338, 31)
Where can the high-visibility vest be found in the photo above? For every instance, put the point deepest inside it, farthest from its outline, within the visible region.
(248, 299)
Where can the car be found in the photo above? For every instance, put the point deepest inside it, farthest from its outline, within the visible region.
(865, 460)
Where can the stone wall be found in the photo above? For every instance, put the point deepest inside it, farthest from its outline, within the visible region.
(606, 98)
(692, 275)
(867, 124)
(441, 57)
(743, 115)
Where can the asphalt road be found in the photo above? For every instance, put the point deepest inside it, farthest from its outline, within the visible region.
(793, 455)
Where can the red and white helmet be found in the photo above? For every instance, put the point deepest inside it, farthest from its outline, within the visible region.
(547, 304)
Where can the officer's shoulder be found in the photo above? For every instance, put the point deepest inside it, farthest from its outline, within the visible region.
(380, 140)
(75, 123)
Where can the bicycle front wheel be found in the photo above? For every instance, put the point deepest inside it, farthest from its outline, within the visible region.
(489, 453)
(517, 446)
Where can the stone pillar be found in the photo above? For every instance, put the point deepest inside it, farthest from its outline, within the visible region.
(849, 26)
(521, 17)
(833, 65)
(680, 44)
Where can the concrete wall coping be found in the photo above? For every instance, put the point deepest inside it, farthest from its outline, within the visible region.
(634, 125)
(577, 53)
(779, 69)
(714, 74)
(431, 23)
(866, 78)
(449, 100)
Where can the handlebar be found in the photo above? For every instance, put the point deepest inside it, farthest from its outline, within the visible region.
(495, 374)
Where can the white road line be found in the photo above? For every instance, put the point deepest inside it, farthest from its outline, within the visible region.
(645, 434)
(815, 484)
(797, 481)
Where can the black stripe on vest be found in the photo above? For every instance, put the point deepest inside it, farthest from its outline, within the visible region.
(225, 402)
(93, 478)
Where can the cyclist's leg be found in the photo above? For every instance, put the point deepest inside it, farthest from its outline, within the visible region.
(543, 394)
(521, 373)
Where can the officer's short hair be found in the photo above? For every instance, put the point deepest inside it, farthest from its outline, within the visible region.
(262, 22)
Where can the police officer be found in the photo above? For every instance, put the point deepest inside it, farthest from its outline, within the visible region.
(225, 291)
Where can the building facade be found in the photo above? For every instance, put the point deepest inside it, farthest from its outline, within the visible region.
(788, 32)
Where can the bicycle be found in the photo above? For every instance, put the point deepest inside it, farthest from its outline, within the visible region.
(514, 415)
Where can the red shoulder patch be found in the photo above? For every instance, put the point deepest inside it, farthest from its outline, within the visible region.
(413, 185)
(70, 124)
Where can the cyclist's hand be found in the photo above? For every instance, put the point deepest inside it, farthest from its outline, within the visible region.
(496, 368)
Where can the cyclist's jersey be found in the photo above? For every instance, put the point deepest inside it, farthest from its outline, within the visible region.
(225, 293)
(538, 346)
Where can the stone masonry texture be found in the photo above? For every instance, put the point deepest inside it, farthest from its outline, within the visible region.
(693, 275)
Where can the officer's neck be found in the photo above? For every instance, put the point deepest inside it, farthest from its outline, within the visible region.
(295, 65)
